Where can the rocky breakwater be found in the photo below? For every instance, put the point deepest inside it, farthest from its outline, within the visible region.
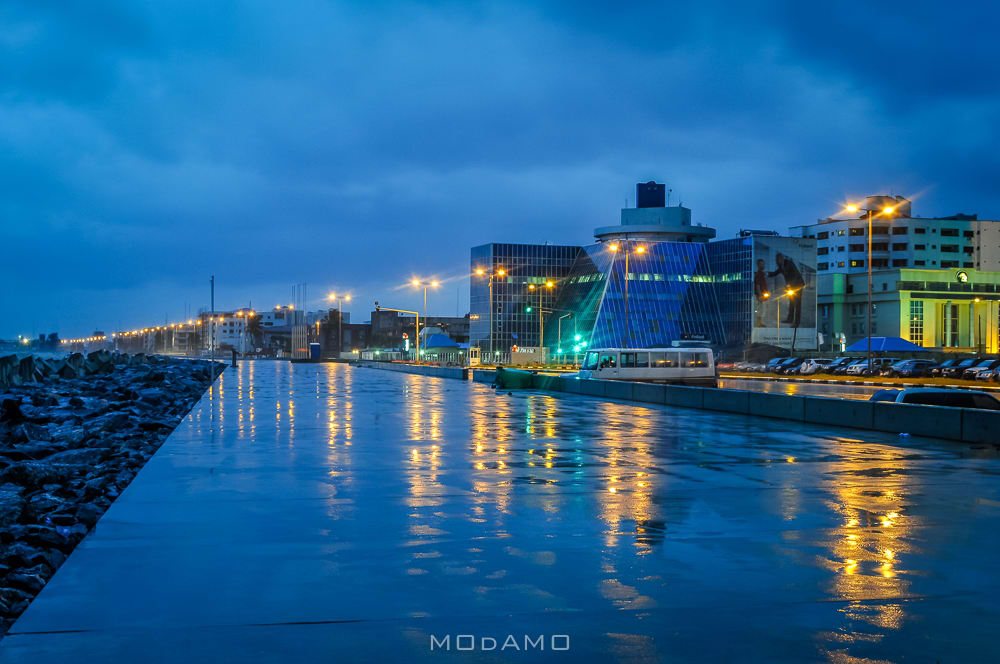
(74, 432)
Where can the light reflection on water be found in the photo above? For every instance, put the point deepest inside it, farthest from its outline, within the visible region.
(640, 505)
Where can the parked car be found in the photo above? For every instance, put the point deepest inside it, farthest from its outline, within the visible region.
(936, 371)
(938, 397)
(772, 364)
(956, 370)
(989, 374)
(838, 363)
(844, 368)
(908, 368)
(814, 365)
(985, 365)
(861, 368)
(789, 366)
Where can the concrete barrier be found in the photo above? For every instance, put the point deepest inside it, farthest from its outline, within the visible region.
(980, 426)
(840, 412)
(686, 397)
(484, 375)
(918, 420)
(781, 406)
(593, 388)
(458, 373)
(619, 389)
(570, 385)
(731, 401)
(649, 392)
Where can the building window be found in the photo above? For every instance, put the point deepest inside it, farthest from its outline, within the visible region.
(899, 230)
(919, 247)
(822, 235)
(920, 231)
(857, 263)
(917, 322)
(880, 262)
(822, 251)
(880, 246)
(949, 263)
(949, 232)
(857, 247)
(949, 248)
(840, 232)
(822, 266)
(880, 230)
(857, 231)
(920, 262)
(967, 264)
(899, 246)
(840, 263)
(840, 248)
(969, 234)
(899, 262)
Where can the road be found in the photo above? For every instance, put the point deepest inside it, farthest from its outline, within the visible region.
(320, 513)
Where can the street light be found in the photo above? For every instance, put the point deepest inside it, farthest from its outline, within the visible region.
(339, 299)
(498, 273)
(639, 250)
(887, 210)
(541, 323)
(425, 285)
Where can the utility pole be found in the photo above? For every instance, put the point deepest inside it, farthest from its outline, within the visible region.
(211, 321)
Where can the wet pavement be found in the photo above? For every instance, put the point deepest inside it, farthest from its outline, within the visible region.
(321, 513)
(862, 392)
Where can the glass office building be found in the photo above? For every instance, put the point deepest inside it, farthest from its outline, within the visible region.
(652, 281)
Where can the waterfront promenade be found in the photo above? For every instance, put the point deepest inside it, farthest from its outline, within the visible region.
(328, 513)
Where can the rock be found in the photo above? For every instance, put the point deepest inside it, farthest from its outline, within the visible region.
(11, 503)
(87, 456)
(44, 502)
(89, 513)
(31, 583)
(34, 474)
(153, 395)
(10, 411)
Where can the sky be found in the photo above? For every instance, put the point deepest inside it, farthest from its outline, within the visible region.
(145, 146)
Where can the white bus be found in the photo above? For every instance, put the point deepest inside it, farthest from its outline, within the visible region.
(681, 366)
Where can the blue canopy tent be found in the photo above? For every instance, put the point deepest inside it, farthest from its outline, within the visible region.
(885, 345)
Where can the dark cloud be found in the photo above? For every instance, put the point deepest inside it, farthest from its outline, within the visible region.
(148, 145)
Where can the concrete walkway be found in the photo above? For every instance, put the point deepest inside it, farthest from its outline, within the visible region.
(319, 513)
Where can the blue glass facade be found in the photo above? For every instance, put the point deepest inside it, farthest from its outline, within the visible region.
(505, 312)
(670, 291)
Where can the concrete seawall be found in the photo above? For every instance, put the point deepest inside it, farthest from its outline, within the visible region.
(420, 369)
(964, 424)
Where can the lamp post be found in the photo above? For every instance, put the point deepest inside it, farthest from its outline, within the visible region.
(559, 342)
(499, 273)
(639, 250)
(339, 300)
(887, 210)
(541, 320)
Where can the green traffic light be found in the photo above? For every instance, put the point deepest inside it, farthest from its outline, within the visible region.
(527, 309)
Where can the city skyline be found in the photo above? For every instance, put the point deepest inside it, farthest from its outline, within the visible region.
(148, 149)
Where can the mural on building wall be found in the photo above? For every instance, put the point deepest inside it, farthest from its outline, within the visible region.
(784, 291)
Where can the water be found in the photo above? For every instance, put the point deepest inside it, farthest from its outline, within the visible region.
(324, 513)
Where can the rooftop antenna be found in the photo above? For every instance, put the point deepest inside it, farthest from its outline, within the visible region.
(669, 191)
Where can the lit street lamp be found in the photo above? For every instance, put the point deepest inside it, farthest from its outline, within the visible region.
(340, 319)
(500, 272)
(639, 250)
(541, 323)
(887, 210)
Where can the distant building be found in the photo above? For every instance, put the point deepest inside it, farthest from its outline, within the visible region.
(936, 280)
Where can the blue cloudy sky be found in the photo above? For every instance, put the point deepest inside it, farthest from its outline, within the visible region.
(147, 145)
